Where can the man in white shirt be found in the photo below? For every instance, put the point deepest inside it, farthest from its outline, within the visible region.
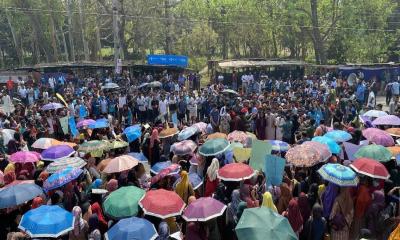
(141, 103)
(395, 88)
(371, 99)
(163, 108)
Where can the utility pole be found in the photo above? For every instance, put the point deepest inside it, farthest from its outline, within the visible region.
(117, 47)
(70, 31)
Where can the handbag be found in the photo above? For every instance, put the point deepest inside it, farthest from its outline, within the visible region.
(339, 221)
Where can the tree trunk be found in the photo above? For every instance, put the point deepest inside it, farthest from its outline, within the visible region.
(53, 31)
(319, 49)
(167, 13)
(70, 30)
(121, 28)
(98, 38)
(82, 25)
(117, 47)
(2, 65)
(64, 44)
(18, 50)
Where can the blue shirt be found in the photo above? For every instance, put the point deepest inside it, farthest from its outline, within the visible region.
(360, 92)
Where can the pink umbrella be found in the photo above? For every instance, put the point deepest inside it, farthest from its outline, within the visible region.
(235, 172)
(24, 157)
(120, 164)
(238, 136)
(201, 126)
(203, 209)
(387, 120)
(184, 147)
(378, 136)
(162, 203)
(321, 148)
(85, 123)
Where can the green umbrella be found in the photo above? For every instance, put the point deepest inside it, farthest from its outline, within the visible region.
(91, 146)
(117, 144)
(377, 152)
(214, 147)
(123, 202)
(262, 223)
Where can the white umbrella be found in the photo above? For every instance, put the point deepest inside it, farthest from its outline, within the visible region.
(110, 86)
(375, 113)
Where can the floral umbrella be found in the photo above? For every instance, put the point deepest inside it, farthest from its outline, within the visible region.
(237, 136)
(61, 164)
(94, 145)
(201, 126)
(304, 156)
(187, 133)
(184, 147)
(321, 148)
(378, 136)
(62, 177)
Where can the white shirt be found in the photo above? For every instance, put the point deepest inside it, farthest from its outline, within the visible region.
(395, 88)
(163, 105)
(371, 99)
(121, 101)
(141, 102)
(22, 92)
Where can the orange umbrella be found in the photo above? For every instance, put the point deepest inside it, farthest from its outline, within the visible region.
(217, 135)
(169, 132)
(394, 150)
(393, 131)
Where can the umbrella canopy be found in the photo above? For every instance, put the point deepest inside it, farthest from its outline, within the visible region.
(132, 228)
(139, 156)
(262, 223)
(47, 221)
(62, 177)
(370, 167)
(71, 144)
(183, 148)
(171, 204)
(75, 162)
(100, 123)
(214, 147)
(110, 85)
(117, 144)
(304, 156)
(19, 194)
(85, 123)
(187, 133)
(169, 132)
(375, 113)
(338, 174)
(194, 179)
(201, 126)
(332, 145)
(24, 157)
(230, 91)
(133, 132)
(158, 167)
(321, 148)
(52, 106)
(217, 135)
(339, 135)
(235, 172)
(387, 120)
(123, 202)
(237, 136)
(120, 164)
(203, 209)
(44, 143)
(393, 131)
(279, 146)
(57, 152)
(155, 84)
(378, 136)
(395, 150)
(94, 145)
(373, 151)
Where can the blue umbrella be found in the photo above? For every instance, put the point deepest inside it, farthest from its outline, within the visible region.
(194, 179)
(133, 132)
(332, 145)
(47, 221)
(187, 133)
(62, 177)
(338, 174)
(19, 194)
(139, 156)
(132, 228)
(279, 146)
(339, 135)
(100, 123)
(163, 165)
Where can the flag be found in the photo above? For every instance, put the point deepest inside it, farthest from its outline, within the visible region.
(64, 124)
(274, 167)
(259, 150)
(241, 154)
(72, 126)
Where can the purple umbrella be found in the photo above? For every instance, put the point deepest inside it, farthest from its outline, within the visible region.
(85, 123)
(56, 152)
(378, 136)
(52, 106)
(203, 209)
(387, 120)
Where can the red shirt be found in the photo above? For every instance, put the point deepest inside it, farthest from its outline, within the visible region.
(10, 84)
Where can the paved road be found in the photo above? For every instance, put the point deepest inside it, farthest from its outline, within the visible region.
(382, 100)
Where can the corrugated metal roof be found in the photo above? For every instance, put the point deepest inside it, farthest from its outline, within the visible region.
(259, 63)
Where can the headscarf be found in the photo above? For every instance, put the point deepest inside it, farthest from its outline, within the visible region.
(154, 137)
(112, 185)
(182, 188)
(328, 198)
(93, 222)
(267, 201)
(363, 201)
(163, 231)
(285, 197)
(294, 215)
(37, 202)
(235, 201)
(78, 221)
(96, 209)
(304, 206)
(212, 170)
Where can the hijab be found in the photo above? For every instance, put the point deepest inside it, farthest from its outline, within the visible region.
(78, 221)
(182, 188)
(304, 206)
(96, 209)
(154, 137)
(346, 204)
(267, 201)
(294, 215)
(112, 185)
(212, 170)
(163, 231)
(328, 198)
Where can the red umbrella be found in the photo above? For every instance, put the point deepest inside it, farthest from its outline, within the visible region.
(162, 203)
(370, 167)
(235, 172)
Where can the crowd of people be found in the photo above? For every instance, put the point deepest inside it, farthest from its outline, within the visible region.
(293, 111)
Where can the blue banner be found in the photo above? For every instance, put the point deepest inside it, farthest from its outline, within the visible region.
(169, 60)
(72, 127)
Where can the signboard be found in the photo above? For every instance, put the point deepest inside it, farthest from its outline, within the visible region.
(169, 60)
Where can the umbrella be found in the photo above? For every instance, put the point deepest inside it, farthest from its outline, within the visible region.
(133, 132)
(339, 135)
(262, 223)
(370, 167)
(139, 156)
(378, 136)
(47, 221)
(24, 157)
(143, 85)
(251, 135)
(217, 135)
(62, 177)
(169, 132)
(110, 85)
(56, 152)
(44, 143)
(8, 134)
(214, 147)
(194, 179)
(171, 204)
(132, 228)
(375, 113)
(123, 202)
(230, 91)
(100, 123)
(279, 146)
(91, 146)
(117, 144)
(387, 120)
(71, 144)
(61, 164)
(304, 156)
(393, 131)
(158, 167)
(19, 194)
(183, 148)
(338, 174)
(201, 126)
(52, 106)
(237, 136)
(203, 209)
(235, 172)
(85, 123)
(321, 148)
(187, 133)
(155, 84)
(373, 151)
(120, 164)
(332, 145)
(395, 150)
